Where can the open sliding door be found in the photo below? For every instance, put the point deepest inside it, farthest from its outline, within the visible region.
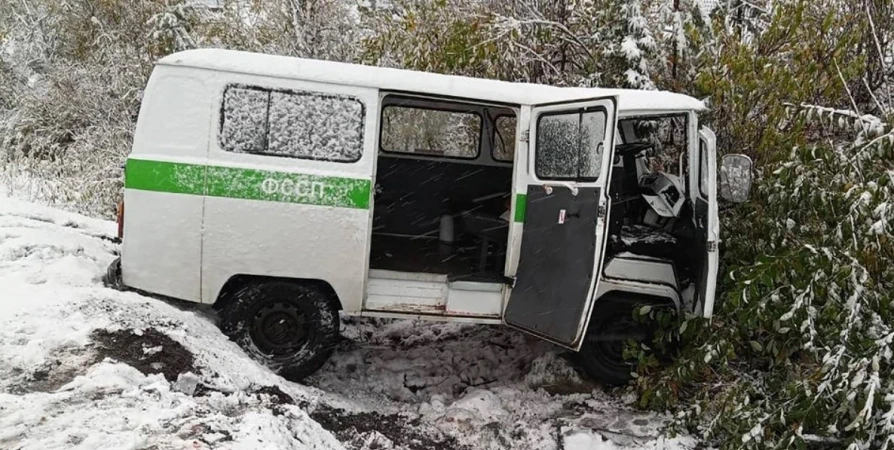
(565, 213)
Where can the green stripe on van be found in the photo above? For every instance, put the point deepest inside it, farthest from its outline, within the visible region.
(521, 203)
(158, 176)
(249, 184)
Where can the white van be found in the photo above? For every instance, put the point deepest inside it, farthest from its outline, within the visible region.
(284, 190)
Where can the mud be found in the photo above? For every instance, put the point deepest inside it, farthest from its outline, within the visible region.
(368, 430)
(149, 351)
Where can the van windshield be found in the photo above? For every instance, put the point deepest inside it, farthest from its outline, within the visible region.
(667, 136)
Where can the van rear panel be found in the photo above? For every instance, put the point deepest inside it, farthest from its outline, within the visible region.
(164, 179)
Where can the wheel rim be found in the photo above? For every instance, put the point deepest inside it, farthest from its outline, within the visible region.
(279, 328)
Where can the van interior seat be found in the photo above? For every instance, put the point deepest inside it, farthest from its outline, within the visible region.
(643, 240)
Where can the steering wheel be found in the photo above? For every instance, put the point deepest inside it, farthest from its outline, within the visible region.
(633, 148)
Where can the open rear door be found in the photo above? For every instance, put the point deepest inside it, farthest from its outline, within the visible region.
(565, 214)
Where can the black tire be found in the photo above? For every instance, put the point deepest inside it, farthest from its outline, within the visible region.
(602, 354)
(290, 327)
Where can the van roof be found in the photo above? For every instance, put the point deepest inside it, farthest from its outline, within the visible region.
(421, 82)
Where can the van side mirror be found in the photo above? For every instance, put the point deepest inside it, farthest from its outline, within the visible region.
(735, 177)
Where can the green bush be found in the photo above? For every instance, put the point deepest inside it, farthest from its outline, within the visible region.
(799, 351)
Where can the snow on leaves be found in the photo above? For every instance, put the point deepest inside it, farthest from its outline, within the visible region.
(418, 130)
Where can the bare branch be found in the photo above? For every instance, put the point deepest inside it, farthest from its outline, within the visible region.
(881, 56)
(849, 95)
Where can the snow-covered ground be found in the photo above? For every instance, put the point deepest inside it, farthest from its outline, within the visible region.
(88, 367)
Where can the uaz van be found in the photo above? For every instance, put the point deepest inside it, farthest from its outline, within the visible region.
(286, 191)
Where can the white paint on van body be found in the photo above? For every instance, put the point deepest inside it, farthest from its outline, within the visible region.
(632, 267)
(385, 78)
(707, 309)
(162, 251)
(290, 240)
(187, 246)
(406, 292)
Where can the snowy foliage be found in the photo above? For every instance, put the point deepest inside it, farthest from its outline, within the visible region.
(72, 74)
(416, 130)
(637, 45)
(799, 352)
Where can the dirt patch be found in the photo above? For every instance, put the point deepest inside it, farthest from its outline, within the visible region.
(149, 351)
(358, 430)
(59, 370)
(277, 399)
(276, 395)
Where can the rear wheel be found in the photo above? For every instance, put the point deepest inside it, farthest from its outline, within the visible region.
(289, 327)
(611, 327)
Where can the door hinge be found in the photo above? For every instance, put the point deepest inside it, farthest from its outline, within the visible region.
(509, 281)
(601, 211)
(712, 246)
(525, 135)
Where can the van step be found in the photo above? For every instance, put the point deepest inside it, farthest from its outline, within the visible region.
(378, 274)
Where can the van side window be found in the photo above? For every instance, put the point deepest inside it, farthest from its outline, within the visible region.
(411, 129)
(292, 124)
(244, 127)
(570, 145)
(667, 136)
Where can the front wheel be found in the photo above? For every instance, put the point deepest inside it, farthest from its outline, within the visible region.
(602, 354)
(289, 327)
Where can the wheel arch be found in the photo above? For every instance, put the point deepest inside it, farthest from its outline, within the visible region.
(633, 298)
(602, 358)
(236, 282)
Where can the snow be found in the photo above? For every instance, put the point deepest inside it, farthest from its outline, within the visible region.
(630, 48)
(52, 299)
(292, 123)
(315, 126)
(641, 234)
(427, 83)
(245, 120)
(475, 386)
(570, 145)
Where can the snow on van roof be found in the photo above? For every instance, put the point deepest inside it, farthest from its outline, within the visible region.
(421, 82)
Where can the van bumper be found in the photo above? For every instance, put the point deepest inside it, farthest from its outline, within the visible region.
(112, 278)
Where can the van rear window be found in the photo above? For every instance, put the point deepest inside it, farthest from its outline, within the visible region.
(293, 124)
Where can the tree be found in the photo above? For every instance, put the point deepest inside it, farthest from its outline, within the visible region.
(634, 47)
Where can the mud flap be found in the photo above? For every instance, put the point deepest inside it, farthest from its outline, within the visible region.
(112, 278)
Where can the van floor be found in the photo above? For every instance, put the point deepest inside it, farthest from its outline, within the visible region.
(428, 255)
